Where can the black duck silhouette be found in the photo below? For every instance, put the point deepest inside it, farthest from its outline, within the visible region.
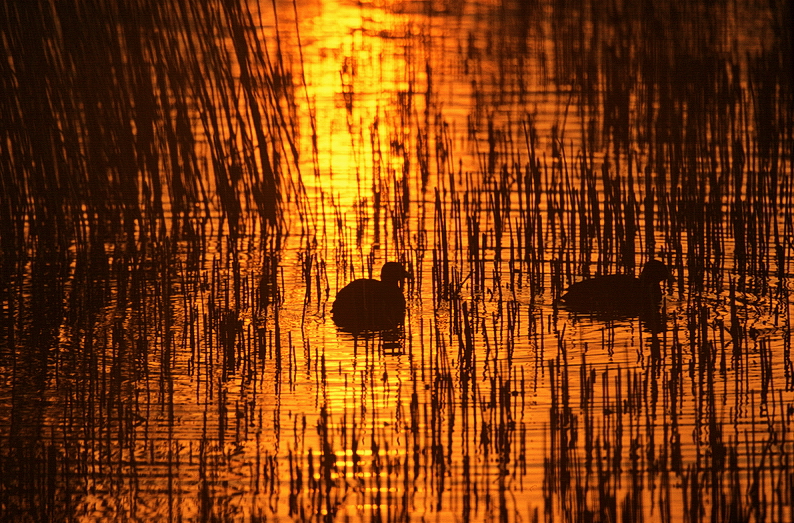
(367, 304)
(618, 293)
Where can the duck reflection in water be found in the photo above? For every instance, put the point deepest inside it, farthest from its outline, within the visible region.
(368, 304)
(620, 295)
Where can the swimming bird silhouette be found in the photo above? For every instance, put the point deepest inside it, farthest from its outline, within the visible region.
(618, 293)
(369, 304)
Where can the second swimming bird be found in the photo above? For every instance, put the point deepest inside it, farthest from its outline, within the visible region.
(621, 293)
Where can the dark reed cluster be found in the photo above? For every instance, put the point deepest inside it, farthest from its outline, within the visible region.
(133, 135)
(122, 121)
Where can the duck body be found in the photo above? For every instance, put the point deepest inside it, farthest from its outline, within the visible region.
(370, 304)
(618, 293)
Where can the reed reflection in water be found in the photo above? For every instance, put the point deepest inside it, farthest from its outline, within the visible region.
(187, 186)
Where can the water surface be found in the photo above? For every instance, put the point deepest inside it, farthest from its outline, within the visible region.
(194, 184)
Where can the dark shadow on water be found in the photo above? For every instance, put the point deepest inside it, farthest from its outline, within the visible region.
(652, 319)
(389, 341)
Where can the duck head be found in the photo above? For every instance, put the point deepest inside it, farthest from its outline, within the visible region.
(654, 272)
(393, 272)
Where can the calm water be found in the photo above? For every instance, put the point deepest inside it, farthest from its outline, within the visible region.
(174, 358)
